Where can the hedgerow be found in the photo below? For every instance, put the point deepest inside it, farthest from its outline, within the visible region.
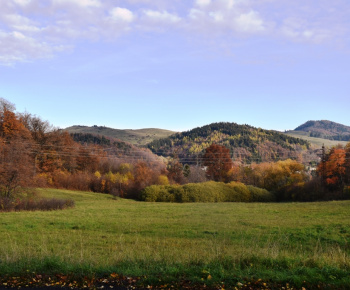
(7, 204)
(206, 192)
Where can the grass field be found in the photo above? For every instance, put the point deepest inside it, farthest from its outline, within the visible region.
(222, 242)
(318, 142)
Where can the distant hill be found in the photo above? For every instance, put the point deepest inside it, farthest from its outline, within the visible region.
(88, 139)
(136, 137)
(246, 143)
(123, 151)
(326, 130)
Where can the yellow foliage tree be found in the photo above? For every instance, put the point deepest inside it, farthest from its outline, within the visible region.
(163, 180)
(275, 176)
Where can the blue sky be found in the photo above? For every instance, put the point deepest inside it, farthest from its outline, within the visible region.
(176, 65)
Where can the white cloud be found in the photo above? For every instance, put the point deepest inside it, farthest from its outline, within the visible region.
(230, 4)
(308, 33)
(195, 14)
(81, 3)
(18, 35)
(203, 3)
(216, 4)
(22, 2)
(89, 3)
(16, 19)
(31, 30)
(249, 22)
(16, 47)
(227, 4)
(161, 16)
(217, 16)
(121, 14)
(226, 15)
(299, 30)
(296, 21)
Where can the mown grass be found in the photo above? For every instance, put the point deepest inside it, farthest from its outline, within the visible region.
(281, 242)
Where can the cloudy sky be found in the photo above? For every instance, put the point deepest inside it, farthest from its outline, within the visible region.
(177, 64)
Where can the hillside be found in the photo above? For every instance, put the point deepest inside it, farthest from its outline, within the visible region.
(136, 137)
(246, 143)
(116, 148)
(326, 130)
(316, 142)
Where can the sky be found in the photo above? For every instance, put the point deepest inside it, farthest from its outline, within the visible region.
(177, 65)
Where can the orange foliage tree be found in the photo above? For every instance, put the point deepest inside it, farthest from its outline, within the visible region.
(347, 164)
(218, 162)
(16, 162)
(335, 168)
(143, 175)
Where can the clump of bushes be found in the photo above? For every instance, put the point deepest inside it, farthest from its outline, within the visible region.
(28, 200)
(206, 192)
(312, 190)
(347, 192)
(8, 204)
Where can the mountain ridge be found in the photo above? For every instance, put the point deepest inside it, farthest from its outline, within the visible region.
(245, 141)
(325, 129)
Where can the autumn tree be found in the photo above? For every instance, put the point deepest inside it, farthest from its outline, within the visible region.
(144, 176)
(38, 128)
(235, 173)
(334, 168)
(291, 172)
(86, 160)
(186, 170)
(120, 180)
(16, 168)
(10, 125)
(54, 149)
(347, 164)
(218, 162)
(175, 171)
(276, 176)
(16, 162)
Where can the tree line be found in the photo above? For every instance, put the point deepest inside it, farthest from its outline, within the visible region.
(33, 153)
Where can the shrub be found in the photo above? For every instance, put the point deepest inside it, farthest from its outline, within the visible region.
(7, 204)
(206, 192)
(158, 193)
(347, 192)
(260, 194)
(240, 192)
(311, 191)
(197, 193)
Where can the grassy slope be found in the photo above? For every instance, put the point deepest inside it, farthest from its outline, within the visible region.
(318, 142)
(137, 137)
(288, 242)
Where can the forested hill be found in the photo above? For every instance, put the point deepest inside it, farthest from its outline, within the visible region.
(124, 151)
(136, 137)
(246, 143)
(326, 129)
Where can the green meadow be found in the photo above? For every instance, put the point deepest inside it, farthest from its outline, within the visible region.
(227, 243)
